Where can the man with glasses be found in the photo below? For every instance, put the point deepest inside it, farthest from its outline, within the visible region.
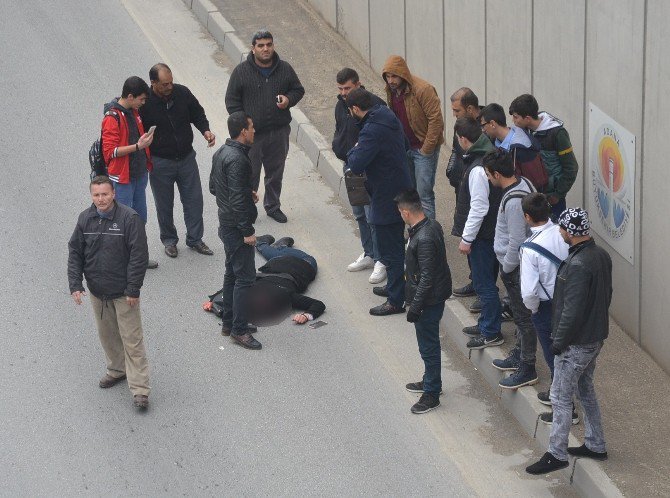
(172, 108)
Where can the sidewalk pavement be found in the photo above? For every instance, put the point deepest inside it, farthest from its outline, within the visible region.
(634, 392)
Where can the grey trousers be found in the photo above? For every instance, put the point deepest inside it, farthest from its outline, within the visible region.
(269, 152)
(573, 372)
(526, 337)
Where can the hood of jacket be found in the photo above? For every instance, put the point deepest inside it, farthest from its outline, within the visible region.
(480, 147)
(114, 104)
(548, 122)
(396, 65)
(275, 62)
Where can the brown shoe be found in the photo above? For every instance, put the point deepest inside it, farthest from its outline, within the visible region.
(202, 248)
(109, 381)
(247, 341)
(141, 401)
(171, 251)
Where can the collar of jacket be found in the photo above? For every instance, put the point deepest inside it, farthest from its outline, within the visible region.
(93, 211)
(238, 145)
(275, 62)
(417, 227)
(578, 247)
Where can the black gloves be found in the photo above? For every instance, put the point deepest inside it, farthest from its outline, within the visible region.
(413, 316)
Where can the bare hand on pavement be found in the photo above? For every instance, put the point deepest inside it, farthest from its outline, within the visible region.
(300, 319)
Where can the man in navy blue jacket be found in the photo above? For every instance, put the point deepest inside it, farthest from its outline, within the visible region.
(380, 154)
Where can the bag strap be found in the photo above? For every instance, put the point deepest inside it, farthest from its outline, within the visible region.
(544, 252)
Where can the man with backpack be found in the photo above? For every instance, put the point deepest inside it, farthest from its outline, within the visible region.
(511, 231)
(125, 147)
(556, 149)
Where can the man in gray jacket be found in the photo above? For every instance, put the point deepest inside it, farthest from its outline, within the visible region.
(580, 324)
(511, 232)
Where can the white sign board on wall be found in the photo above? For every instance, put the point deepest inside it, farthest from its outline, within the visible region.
(611, 187)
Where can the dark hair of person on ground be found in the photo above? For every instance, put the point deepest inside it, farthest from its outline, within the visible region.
(101, 180)
(536, 206)
(468, 128)
(466, 96)
(346, 74)
(493, 112)
(134, 86)
(262, 34)
(153, 72)
(524, 105)
(410, 200)
(237, 122)
(360, 98)
(499, 161)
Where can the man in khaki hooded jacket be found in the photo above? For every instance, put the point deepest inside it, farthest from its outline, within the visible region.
(417, 106)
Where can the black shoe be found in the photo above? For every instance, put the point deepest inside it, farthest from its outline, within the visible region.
(171, 251)
(380, 291)
(283, 242)
(251, 328)
(472, 331)
(510, 363)
(278, 216)
(416, 387)
(544, 398)
(264, 239)
(386, 309)
(506, 312)
(202, 248)
(247, 341)
(548, 417)
(548, 463)
(584, 452)
(475, 307)
(152, 264)
(465, 291)
(425, 404)
(482, 342)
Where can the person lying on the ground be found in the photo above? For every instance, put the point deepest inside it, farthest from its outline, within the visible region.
(280, 283)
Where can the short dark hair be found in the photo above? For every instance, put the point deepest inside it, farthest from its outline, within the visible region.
(409, 199)
(499, 161)
(237, 122)
(360, 98)
(101, 180)
(468, 128)
(524, 105)
(134, 86)
(155, 69)
(261, 34)
(536, 205)
(466, 97)
(346, 74)
(494, 112)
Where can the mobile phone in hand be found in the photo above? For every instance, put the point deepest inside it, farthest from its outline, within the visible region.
(152, 129)
(316, 325)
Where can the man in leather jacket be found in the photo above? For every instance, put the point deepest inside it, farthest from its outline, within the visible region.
(427, 287)
(580, 323)
(230, 182)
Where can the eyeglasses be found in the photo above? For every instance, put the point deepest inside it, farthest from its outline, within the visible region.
(483, 125)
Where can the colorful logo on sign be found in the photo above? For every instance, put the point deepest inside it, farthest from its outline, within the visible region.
(609, 182)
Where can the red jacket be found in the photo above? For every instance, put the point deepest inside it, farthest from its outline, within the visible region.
(115, 134)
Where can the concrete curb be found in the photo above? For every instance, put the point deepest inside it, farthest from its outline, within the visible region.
(586, 476)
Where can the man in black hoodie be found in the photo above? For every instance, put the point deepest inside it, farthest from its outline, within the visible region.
(265, 87)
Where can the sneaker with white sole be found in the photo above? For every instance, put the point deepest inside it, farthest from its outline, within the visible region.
(362, 263)
(378, 275)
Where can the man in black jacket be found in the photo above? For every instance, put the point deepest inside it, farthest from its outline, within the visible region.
(230, 182)
(580, 324)
(265, 87)
(427, 287)
(109, 248)
(172, 108)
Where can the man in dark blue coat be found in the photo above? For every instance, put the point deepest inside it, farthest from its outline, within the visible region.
(380, 154)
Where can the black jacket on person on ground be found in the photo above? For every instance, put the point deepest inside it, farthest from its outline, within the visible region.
(346, 127)
(173, 138)
(427, 273)
(230, 182)
(110, 252)
(249, 91)
(582, 296)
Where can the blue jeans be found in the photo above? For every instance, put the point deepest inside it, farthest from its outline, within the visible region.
(484, 268)
(361, 214)
(428, 339)
(422, 172)
(133, 195)
(238, 278)
(185, 174)
(557, 209)
(269, 252)
(542, 323)
(573, 372)
(390, 242)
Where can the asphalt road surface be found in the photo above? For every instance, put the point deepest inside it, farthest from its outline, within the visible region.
(316, 412)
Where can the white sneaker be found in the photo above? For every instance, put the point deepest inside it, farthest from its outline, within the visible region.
(362, 263)
(378, 274)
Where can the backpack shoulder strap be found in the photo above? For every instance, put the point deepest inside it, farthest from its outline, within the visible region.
(543, 251)
(514, 194)
(115, 114)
